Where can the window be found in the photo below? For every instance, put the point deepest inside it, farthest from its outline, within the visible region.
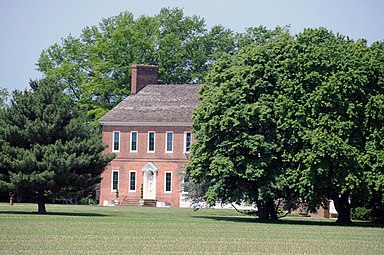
(115, 180)
(134, 141)
(116, 141)
(151, 141)
(186, 184)
(169, 142)
(187, 141)
(132, 181)
(168, 182)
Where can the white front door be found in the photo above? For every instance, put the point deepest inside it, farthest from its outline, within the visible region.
(149, 186)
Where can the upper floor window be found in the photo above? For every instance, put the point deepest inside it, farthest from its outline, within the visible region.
(115, 180)
(169, 142)
(116, 141)
(132, 181)
(187, 141)
(168, 182)
(134, 140)
(151, 141)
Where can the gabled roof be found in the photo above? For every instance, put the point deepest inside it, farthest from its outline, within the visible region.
(156, 104)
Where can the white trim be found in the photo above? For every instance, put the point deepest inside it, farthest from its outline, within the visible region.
(165, 182)
(137, 141)
(154, 142)
(113, 141)
(129, 181)
(149, 183)
(150, 166)
(185, 142)
(118, 180)
(166, 141)
(142, 124)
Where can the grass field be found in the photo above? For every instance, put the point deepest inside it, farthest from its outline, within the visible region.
(69, 229)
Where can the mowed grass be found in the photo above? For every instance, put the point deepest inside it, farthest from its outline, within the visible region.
(69, 229)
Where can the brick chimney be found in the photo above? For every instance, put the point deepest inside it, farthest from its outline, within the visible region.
(143, 75)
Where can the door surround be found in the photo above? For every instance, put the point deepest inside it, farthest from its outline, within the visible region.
(149, 183)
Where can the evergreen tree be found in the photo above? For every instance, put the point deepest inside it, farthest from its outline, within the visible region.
(46, 144)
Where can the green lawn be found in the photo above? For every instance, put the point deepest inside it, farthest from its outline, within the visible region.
(69, 229)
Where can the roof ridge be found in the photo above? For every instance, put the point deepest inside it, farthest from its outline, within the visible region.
(155, 103)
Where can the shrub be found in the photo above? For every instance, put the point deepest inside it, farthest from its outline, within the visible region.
(361, 213)
(87, 201)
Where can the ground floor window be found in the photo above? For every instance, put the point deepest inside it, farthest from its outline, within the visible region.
(132, 181)
(186, 184)
(115, 180)
(168, 182)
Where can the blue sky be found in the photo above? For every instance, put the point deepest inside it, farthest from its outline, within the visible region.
(27, 27)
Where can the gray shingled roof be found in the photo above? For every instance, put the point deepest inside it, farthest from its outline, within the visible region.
(156, 103)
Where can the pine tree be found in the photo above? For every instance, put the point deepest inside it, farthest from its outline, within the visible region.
(47, 146)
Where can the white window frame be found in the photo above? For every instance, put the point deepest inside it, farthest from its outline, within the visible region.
(129, 182)
(118, 180)
(113, 141)
(166, 141)
(154, 141)
(183, 183)
(165, 182)
(137, 141)
(185, 142)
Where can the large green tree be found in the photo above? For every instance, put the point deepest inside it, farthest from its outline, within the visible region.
(373, 158)
(46, 145)
(96, 67)
(294, 116)
(330, 111)
(237, 149)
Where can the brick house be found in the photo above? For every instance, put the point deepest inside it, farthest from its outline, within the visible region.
(150, 133)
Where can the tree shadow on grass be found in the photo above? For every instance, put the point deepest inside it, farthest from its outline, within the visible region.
(287, 221)
(56, 213)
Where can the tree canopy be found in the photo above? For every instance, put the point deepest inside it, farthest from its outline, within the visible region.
(297, 115)
(237, 147)
(96, 67)
(329, 89)
(3, 97)
(47, 147)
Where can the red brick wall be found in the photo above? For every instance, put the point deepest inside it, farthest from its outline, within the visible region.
(126, 161)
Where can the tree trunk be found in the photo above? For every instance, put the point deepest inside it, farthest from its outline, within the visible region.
(262, 209)
(271, 210)
(267, 210)
(343, 209)
(41, 203)
(41, 208)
